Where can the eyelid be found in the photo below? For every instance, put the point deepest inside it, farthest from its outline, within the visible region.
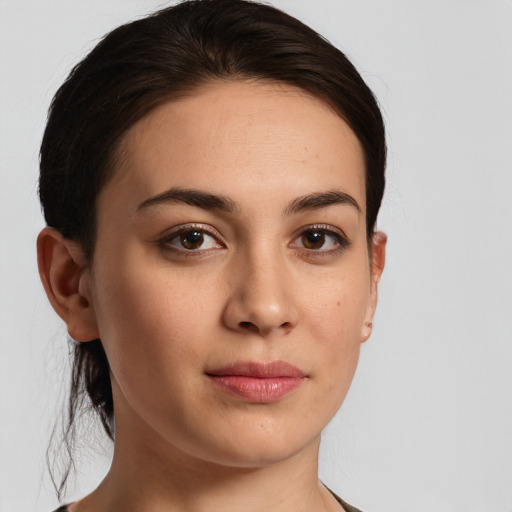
(174, 232)
(343, 241)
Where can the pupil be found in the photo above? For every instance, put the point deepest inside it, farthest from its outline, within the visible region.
(313, 239)
(192, 239)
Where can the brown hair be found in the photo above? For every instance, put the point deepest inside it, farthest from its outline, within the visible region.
(143, 64)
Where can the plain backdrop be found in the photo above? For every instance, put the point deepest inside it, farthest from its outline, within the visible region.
(428, 421)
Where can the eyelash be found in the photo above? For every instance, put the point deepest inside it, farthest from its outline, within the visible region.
(341, 241)
(188, 228)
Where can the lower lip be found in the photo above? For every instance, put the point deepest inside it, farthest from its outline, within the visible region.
(257, 390)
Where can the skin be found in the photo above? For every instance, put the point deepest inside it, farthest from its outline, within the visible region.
(255, 289)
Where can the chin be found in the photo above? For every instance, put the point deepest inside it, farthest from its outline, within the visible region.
(258, 451)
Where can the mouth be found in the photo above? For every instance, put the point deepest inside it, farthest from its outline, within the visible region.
(257, 382)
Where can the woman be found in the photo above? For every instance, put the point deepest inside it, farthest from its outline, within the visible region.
(211, 177)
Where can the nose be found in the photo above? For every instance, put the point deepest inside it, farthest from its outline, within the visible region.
(261, 298)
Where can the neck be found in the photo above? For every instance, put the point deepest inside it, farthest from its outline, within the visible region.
(150, 482)
(151, 474)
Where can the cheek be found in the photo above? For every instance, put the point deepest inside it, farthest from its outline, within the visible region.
(337, 307)
(335, 319)
(147, 318)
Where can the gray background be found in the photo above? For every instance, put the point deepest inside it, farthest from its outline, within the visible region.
(428, 422)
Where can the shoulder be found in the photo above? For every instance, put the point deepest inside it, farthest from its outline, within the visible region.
(349, 508)
(344, 504)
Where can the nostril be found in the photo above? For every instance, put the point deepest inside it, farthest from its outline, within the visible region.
(287, 326)
(249, 326)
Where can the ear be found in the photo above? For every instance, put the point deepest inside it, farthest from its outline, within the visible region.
(378, 259)
(66, 279)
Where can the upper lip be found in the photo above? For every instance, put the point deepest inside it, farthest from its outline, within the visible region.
(261, 370)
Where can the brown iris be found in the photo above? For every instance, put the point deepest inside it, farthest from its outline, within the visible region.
(313, 239)
(192, 239)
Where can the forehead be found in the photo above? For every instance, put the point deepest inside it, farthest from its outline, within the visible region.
(267, 137)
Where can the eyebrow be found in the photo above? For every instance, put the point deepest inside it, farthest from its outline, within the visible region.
(193, 198)
(209, 201)
(321, 200)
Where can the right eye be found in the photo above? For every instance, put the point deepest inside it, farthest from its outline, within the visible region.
(190, 239)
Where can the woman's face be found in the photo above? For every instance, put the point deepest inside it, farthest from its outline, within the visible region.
(231, 283)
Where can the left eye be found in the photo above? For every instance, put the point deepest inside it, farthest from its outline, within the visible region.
(318, 240)
(193, 240)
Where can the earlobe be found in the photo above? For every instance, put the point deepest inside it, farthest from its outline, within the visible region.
(378, 260)
(65, 277)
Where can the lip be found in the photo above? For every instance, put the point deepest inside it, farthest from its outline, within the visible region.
(257, 382)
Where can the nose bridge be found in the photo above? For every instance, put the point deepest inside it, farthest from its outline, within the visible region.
(261, 300)
(265, 273)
